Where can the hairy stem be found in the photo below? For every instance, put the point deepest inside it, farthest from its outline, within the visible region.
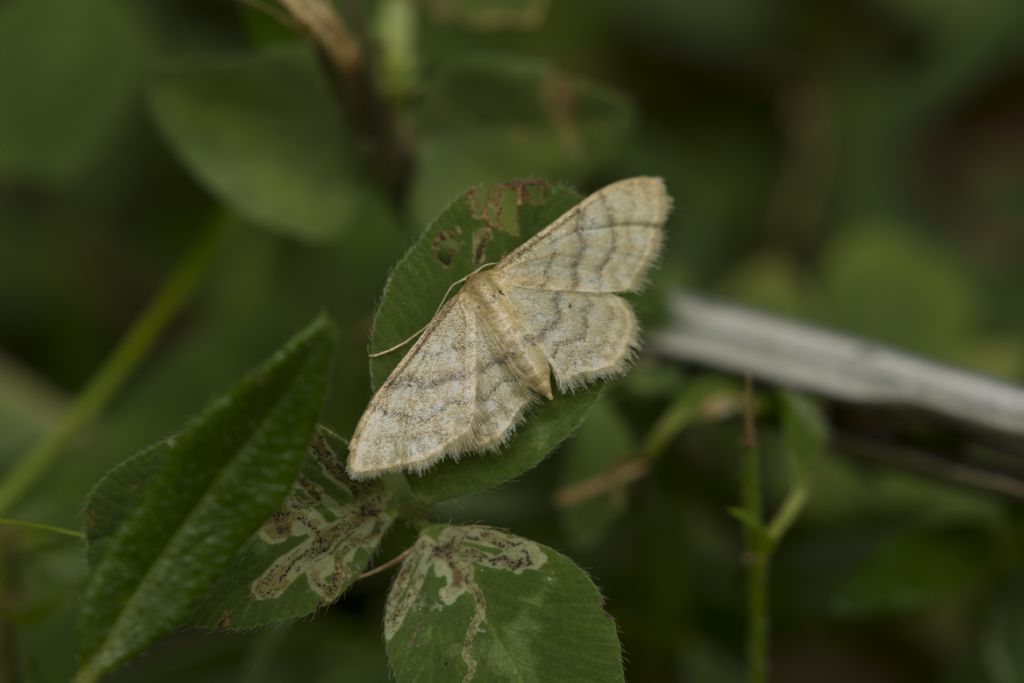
(119, 365)
(757, 544)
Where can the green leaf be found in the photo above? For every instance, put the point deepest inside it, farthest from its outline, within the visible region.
(804, 431)
(476, 603)
(770, 281)
(650, 380)
(490, 15)
(116, 494)
(884, 280)
(70, 72)
(220, 479)
(304, 556)
(705, 661)
(704, 398)
(1002, 636)
(265, 135)
(881, 280)
(604, 441)
(916, 569)
(488, 117)
(29, 405)
(480, 226)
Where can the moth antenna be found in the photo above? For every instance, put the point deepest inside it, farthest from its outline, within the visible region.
(444, 298)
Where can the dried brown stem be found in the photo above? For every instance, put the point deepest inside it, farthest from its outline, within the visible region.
(387, 149)
(328, 30)
(386, 566)
(620, 476)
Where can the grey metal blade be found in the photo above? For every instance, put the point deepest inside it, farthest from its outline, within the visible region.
(831, 364)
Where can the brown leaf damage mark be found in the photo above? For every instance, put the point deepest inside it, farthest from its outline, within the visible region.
(481, 238)
(446, 246)
(530, 191)
(333, 531)
(489, 208)
(453, 555)
(224, 623)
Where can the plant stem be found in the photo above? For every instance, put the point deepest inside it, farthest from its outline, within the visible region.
(405, 503)
(757, 615)
(758, 546)
(41, 527)
(385, 142)
(320, 19)
(119, 365)
(397, 559)
(690, 406)
(786, 515)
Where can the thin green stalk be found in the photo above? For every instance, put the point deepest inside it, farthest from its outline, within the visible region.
(667, 427)
(679, 415)
(758, 546)
(405, 502)
(786, 515)
(75, 533)
(757, 611)
(136, 344)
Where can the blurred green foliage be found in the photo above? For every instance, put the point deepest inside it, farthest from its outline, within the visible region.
(854, 163)
(200, 495)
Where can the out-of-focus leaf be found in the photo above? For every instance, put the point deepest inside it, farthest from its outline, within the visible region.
(653, 380)
(606, 457)
(704, 398)
(481, 226)
(486, 118)
(395, 28)
(1002, 636)
(771, 282)
(846, 493)
(913, 570)
(884, 283)
(955, 24)
(40, 586)
(220, 479)
(705, 661)
(723, 33)
(473, 603)
(28, 406)
(804, 431)
(70, 70)
(489, 15)
(264, 133)
(225, 334)
(604, 441)
(301, 559)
